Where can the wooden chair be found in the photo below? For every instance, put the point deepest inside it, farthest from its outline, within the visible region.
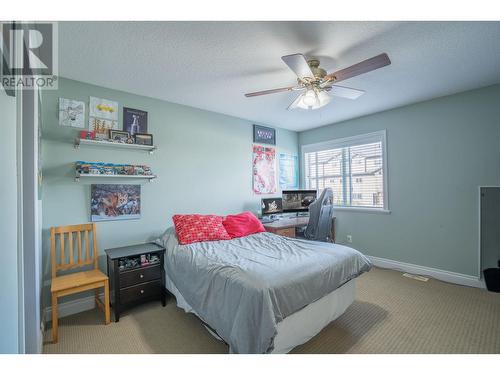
(79, 281)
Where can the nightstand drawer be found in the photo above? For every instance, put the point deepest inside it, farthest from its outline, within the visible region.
(145, 290)
(129, 278)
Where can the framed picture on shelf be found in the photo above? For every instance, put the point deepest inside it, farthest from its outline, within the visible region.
(119, 136)
(101, 127)
(135, 121)
(143, 139)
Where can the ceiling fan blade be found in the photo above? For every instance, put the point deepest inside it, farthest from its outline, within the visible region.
(272, 91)
(298, 63)
(293, 105)
(360, 68)
(344, 92)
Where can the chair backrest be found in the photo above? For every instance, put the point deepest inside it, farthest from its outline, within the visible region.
(68, 257)
(319, 227)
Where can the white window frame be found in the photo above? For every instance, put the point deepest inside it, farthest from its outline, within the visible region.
(378, 136)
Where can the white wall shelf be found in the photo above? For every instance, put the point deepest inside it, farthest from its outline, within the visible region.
(92, 142)
(111, 176)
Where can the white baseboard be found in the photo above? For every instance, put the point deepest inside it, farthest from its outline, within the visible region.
(87, 303)
(448, 276)
(72, 307)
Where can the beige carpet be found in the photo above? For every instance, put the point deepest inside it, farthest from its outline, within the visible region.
(391, 314)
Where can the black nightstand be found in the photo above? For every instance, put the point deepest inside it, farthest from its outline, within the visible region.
(136, 275)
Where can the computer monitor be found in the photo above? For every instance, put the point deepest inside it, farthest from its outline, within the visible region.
(271, 206)
(298, 200)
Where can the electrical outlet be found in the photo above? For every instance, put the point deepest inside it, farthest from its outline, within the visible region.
(349, 238)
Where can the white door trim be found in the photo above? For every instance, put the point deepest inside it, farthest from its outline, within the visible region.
(479, 252)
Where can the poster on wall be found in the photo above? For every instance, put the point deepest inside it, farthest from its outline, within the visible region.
(103, 108)
(71, 113)
(264, 174)
(263, 134)
(115, 202)
(135, 121)
(289, 173)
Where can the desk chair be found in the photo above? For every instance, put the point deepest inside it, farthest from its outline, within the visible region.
(319, 227)
(79, 281)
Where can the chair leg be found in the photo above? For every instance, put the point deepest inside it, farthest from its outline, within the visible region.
(106, 301)
(55, 323)
(96, 293)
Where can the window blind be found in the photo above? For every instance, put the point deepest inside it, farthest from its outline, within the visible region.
(354, 168)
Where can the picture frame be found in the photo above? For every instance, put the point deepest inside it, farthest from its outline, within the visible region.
(103, 108)
(101, 127)
(119, 136)
(135, 121)
(114, 202)
(71, 113)
(144, 139)
(263, 134)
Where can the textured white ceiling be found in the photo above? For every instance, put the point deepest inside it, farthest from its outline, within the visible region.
(210, 65)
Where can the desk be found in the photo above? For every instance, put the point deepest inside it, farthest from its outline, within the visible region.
(286, 227)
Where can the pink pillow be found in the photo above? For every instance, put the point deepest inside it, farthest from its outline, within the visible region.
(242, 224)
(198, 228)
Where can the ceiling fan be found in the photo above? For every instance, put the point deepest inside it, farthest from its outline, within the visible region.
(316, 85)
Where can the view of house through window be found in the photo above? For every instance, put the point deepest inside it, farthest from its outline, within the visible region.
(354, 170)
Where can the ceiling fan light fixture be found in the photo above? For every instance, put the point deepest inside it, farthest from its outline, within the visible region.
(310, 100)
(318, 85)
(324, 98)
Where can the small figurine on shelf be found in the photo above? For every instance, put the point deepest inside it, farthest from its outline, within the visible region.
(87, 135)
(128, 169)
(146, 170)
(128, 263)
(144, 260)
(154, 259)
(94, 169)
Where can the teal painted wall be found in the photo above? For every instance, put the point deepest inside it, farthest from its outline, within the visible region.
(204, 164)
(8, 227)
(439, 152)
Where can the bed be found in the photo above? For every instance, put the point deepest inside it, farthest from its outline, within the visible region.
(262, 293)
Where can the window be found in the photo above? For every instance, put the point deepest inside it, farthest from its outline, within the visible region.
(355, 168)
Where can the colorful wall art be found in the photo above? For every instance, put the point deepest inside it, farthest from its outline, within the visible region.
(101, 127)
(103, 108)
(263, 134)
(135, 121)
(264, 170)
(115, 202)
(289, 171)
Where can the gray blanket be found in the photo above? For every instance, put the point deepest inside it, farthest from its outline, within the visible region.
(244, 287)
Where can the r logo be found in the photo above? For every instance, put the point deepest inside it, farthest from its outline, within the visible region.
(34, 41)
(29, 52)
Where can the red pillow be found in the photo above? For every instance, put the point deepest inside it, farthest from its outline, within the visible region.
(242, 224)
(198, 228)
